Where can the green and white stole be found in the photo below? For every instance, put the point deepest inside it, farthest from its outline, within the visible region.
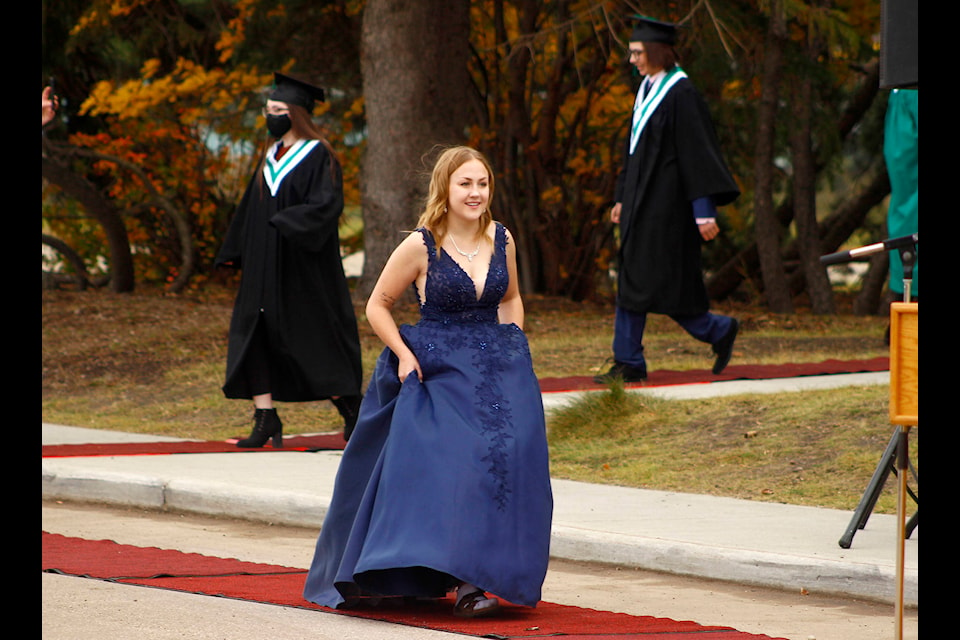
(274, 171)
(643, 108)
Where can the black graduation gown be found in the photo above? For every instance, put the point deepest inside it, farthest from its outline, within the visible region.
(288, 248)
(677, 160)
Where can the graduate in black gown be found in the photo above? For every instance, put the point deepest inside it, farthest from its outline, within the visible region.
(293, 334)
(672, 180)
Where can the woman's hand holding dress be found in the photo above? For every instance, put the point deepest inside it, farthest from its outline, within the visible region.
(407, 265)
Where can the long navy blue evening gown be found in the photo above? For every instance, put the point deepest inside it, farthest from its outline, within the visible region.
(444, 480)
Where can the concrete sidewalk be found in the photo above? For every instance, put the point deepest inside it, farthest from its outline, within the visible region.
(749, 542)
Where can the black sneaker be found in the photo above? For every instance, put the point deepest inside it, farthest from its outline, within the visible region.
(624, 372)
(724, 348)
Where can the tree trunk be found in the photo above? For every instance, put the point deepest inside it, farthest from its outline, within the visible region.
(73, 258)
(416, 89)
(184, 232)
(805, 195)
(849, 216)
(518, 200)
(768, 229)
(835, 229)
(121, 260)
(870, 300)
(842, 223)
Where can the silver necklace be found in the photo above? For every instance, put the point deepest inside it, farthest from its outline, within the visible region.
(469, 256)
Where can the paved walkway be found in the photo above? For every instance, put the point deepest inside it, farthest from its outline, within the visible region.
(750, 542)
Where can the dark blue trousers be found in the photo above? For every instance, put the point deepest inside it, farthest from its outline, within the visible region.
(629, 326)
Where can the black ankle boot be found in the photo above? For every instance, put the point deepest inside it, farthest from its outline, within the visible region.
(266, 425)
(349, 408)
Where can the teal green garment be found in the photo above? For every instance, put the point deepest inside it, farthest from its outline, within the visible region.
(901, 151)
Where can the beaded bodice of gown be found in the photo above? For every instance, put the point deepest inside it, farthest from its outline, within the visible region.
(450, 295)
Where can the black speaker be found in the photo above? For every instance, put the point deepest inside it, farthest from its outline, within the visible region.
(898, 44)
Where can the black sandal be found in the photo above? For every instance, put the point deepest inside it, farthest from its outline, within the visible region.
(467, 606)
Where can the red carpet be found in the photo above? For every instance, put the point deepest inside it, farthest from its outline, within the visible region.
(334, 441)
(662, 378)
(326, 441)
(272, 584)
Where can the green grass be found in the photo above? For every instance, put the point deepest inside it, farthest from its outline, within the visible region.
(153, 363)
(816, 448)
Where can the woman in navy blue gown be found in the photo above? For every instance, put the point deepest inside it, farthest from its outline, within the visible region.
(445, 482)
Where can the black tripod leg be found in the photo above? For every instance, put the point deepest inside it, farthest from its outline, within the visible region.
(872, 493)
(912, 523)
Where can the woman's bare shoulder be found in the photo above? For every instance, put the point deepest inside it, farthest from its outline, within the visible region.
(412, 246)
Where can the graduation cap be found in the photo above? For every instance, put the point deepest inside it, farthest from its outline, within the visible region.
(649, 30)
(294, 91)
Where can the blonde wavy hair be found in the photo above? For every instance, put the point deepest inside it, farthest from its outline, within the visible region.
(434, 216)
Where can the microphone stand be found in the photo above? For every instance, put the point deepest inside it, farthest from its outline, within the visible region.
(907, 246)
(896, 457)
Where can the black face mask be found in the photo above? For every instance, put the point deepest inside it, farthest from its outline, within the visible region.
(278, 125)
